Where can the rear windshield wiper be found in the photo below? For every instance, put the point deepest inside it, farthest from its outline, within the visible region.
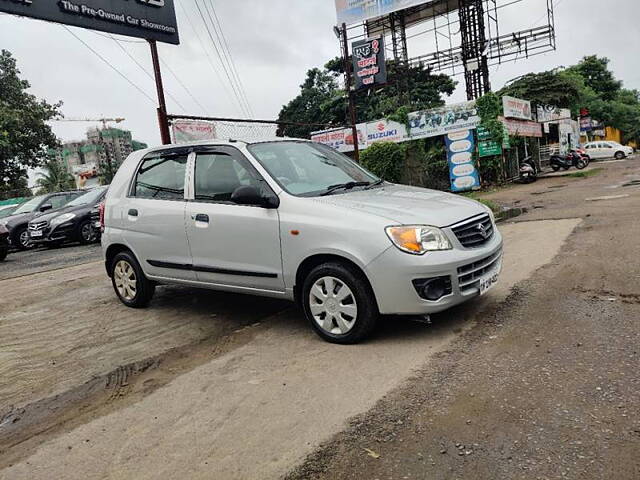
(344, 186)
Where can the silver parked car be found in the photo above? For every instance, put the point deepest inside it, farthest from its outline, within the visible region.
(294, 220)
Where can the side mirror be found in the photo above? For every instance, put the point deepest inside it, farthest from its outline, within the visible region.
(45, 207)
(249, 195)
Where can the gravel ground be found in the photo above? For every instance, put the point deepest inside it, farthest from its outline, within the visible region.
(545, 387)
(19, 263)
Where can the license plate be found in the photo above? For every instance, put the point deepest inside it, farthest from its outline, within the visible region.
(36, 233)
(490, 280)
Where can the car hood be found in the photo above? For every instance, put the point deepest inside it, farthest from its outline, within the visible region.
(48, 216)
(409, 205)
(12, 220)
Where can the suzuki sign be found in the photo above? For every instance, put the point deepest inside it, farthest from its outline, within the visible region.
(149, 19)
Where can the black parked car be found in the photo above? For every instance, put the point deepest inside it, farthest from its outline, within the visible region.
(4, 242)
(18, 222)
(72, 223)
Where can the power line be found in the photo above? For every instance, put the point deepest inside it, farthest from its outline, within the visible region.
(211, 63)
(225, 45)
(196, 101)
(142, 67)
(110, 65)
(224, 66)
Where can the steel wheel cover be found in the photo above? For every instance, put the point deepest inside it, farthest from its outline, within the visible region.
(24, 239)
(125, 280)
(333, 305)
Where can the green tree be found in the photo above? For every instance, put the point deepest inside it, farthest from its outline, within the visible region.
(547, 88)
(384, 159)
(24, 135)
(597, 76)
(55, 178)
(322, 100)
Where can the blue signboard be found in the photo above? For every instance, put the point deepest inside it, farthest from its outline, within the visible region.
(462, 169)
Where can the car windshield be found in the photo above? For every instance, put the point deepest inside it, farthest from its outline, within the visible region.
(309, 169)
(30, 206)
(88, 198)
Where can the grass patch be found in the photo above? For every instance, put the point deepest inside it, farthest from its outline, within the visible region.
(587, 174)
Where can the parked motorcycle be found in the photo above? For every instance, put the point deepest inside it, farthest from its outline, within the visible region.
(528, 171)
(584, 155)
(572, 159)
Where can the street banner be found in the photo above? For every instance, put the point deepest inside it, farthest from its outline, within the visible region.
(442, 120)
(149, 19)
(489, 148)
(341, 139)
(355, 11)
(462, 170)
(586, 125)
(522, 128)
(192, 130)
(369, 64)
(551, 113)
(516, 108)
(386, 131)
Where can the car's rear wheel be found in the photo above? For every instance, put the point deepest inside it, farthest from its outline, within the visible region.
(129, 282)
(86, 233)
(4, 250)
(620, 155)
(339, 303)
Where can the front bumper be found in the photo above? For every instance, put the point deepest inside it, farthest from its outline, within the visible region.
(49, 234)
(392, 274)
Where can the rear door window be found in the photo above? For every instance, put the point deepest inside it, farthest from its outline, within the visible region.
(58, 201)
(161, 178)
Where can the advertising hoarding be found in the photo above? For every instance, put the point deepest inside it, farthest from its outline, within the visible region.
(551, 113)
(192, 130)
(462, 170)
(522, 128)
(369, 63)
(355, 11)
(149, 19)
(442, 120)
(386, 131)
(516, 108)
(341, 139)
(586, 125)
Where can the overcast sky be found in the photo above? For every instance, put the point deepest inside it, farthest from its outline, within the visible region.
(274, 43)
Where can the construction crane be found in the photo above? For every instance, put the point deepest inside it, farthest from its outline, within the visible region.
(103, 120)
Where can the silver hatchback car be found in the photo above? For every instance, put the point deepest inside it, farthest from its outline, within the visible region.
(294, 220)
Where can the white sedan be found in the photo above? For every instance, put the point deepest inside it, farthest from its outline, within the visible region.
(608, 149)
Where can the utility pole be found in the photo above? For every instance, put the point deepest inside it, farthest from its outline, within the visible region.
(352, 101)
(165, 135)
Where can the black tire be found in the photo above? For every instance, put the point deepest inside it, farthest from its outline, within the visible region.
(144, 288)
(18, 239)
(566, 167)
(4, 250)
(86, 233)
(362, 295)
(581, 164)
(620, 155)
(555, 167)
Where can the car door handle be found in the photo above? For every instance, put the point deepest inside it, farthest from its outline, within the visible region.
(133, 212)
(202, 217)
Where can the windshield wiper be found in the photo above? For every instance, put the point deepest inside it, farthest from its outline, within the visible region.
(344, 186)
(375, 184)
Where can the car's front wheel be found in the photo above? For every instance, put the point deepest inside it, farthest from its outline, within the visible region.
(129, 282)
(620, 155)
(86, 233)
(339, 303)
(21, 239)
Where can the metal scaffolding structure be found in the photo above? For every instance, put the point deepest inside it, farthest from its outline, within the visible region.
(467, 38)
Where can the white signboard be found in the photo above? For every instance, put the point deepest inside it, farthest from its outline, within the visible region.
(386, 131)
(443, 120)
(550, 113)
(516, 108)
(192, 130)
(355, 11)
(342, 139)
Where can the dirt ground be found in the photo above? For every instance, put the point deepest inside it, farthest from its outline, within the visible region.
(536, 380)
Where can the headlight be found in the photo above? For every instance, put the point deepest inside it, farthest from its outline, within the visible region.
(65, 217)
(418, 239)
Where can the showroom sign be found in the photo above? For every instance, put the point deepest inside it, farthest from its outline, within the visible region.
(442, 120)
(148, 19)
(516, 108)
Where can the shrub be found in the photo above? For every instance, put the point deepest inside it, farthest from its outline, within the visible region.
(385, 159)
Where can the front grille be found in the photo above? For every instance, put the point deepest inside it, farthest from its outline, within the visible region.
(38, 225)
(475, 232)
(469, 275)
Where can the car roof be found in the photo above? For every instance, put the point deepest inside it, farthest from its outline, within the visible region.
(219, 142)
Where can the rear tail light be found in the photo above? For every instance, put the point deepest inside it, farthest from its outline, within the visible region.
(101, 210)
